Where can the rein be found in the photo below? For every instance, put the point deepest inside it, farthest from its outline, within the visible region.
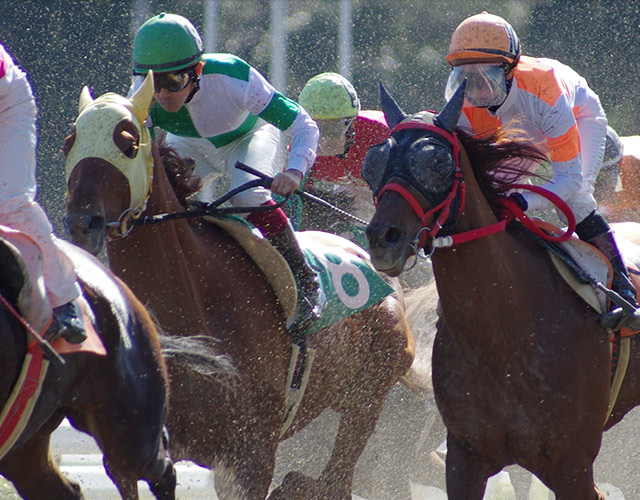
(214, 208)
(509, 212)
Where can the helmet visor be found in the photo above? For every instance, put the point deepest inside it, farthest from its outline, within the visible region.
(173, 81)
(486, 84)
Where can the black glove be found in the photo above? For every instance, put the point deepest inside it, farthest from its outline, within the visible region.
(519, 200)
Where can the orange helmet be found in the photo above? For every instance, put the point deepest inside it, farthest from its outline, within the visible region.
(484, 38)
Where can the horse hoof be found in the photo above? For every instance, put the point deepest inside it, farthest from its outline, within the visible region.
(297, 486)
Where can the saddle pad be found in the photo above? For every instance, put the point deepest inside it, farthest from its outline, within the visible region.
(348, 278)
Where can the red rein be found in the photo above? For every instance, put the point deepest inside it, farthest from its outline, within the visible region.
(512, 211)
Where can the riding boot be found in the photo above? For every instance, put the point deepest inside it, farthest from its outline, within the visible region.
(621, 283)
(311, 298)
(67, 324)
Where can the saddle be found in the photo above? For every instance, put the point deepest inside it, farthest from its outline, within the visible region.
(592, 262)
(594, 265)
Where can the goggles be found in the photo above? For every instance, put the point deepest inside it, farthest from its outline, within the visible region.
(173, 81)
(334, 128)
(486, 84)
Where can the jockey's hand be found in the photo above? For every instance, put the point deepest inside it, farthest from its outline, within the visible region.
(286, 182)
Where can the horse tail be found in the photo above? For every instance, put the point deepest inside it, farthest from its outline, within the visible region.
(198, 356)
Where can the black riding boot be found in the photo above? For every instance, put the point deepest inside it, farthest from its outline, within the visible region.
(311, 298)
(595, 230)
(67, 324)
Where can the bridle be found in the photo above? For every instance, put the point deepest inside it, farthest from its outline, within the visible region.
(110, 106)
(442, 211)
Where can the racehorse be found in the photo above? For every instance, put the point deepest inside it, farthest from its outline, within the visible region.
(198, 280)
(521, 366)
(119, 397)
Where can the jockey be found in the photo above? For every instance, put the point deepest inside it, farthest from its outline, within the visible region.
(556, 108)
(217, 110)
(346, 134)
(18, 208)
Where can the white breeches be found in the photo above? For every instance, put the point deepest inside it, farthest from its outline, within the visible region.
(260, 149)
(18, 210)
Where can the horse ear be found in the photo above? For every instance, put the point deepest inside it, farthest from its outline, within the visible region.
(390, 108)
(450, 114)
(141, 99)
(85, 98)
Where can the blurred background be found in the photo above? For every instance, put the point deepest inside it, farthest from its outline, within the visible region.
(66, 44)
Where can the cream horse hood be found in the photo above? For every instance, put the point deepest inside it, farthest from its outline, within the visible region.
(94, 138)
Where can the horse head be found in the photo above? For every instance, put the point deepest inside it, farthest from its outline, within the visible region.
(419, 164)
(108, 165)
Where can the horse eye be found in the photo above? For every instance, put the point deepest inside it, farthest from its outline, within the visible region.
(375, 164)
(431, 165)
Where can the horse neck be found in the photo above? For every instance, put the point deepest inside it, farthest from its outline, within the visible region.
(160, 261)
(486, 272)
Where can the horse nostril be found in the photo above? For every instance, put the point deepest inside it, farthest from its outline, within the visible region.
(78, 224)
(97, 223)
(393, 235)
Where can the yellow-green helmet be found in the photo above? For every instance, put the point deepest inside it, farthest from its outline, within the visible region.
(329, 96)
(166, 42)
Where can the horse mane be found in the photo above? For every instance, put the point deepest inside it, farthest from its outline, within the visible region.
(179, 171)
(500, 160)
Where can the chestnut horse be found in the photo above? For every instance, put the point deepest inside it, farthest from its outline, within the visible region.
(119, 398)
(198, 280)
(521, 366)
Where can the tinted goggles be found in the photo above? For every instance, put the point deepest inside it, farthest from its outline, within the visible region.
(173, 81)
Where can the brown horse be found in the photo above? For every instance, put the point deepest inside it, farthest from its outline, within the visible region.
(198, 280)
(521, 366)
(119, 398)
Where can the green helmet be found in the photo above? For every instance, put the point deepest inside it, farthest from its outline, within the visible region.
(328, 96)
(166, 42)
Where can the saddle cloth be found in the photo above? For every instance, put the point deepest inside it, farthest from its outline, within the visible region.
(347, 277)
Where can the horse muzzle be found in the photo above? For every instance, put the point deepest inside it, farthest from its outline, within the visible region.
(86, 231)
(388, 246)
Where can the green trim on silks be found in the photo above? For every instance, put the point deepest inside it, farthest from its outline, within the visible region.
(350, 284)
(281, 111)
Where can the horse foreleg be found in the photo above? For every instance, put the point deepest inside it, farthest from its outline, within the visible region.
(336, 479)
(34, 474)
(467, 472)
(573, 478)
(244, 468)
(127, 487)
